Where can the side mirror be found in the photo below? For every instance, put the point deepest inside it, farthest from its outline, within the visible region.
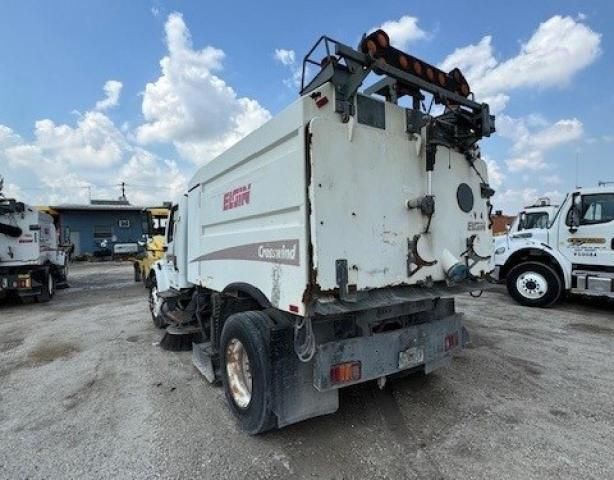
(574, 219)
(522, 222)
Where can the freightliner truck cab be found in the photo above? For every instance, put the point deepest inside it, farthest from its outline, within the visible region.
(573, 254)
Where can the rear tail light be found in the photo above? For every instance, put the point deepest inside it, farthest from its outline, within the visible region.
(23, 282)
(451, 341)
(345, 372)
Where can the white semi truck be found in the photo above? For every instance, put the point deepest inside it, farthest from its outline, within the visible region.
(31, 263)
(324, 249)
(572, 253)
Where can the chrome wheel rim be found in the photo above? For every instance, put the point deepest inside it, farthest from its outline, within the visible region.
(239, 373)
(532, 285)
(155, 302)
(50, 285)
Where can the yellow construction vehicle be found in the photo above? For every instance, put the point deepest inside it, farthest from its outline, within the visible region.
(155, 218)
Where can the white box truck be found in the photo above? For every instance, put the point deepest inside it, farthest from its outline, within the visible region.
(31, 263)
(324, 249)
(573, 253)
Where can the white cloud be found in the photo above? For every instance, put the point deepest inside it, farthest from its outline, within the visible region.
(513, 200)
(474, 61)
(161, 177)
(532, 161)
(553, 179)
(62, 161)
(112, 90)
(563, 131)
(531, 144)
(191, 106)
(285, 57)
(11, 190)
(559, 48)
(94, 143)
(403, 31)
(8, 137)
(288, 59)
(495, 175)
(496, 103)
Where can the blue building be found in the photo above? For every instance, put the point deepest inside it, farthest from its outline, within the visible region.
(99, 226)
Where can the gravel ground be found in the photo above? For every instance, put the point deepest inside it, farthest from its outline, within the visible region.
(85, 392)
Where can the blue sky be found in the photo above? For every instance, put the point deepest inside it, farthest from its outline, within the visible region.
(545, 66)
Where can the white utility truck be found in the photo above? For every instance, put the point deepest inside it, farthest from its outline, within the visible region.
(573, 253)
(31, 264)
(533, 216)
(323, 249)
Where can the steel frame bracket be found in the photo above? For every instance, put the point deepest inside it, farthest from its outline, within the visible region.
(414, 258)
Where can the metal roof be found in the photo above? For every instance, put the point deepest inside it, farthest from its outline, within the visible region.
(76, 206)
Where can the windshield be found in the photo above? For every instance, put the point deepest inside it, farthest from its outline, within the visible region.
(534, 220)
(158, 225)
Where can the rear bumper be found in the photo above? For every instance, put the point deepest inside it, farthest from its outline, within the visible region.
(428, 346)
(22, 284)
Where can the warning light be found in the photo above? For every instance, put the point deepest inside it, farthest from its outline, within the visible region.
(345, 372)
(450, 342)
(382, 38)
(403, 62)
(371, 47)
(441, 78)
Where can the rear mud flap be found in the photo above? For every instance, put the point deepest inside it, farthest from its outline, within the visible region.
(201, 359)
(294, 396)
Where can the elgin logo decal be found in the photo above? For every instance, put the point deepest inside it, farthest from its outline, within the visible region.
(237, 197)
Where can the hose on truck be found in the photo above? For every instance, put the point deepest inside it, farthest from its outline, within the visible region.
(306, 348)
(10, 230)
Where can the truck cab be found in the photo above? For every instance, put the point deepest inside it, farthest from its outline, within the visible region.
(155, 222)
(574, 253)
(534, 216)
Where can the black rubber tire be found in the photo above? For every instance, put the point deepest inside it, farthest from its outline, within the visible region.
(137, 273)
(250, 328)
(47, 288)
(553, 280)
(158, 320)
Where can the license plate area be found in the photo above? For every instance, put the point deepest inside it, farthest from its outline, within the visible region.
(411, 357)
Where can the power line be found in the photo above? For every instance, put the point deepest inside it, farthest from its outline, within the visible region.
(94, 186)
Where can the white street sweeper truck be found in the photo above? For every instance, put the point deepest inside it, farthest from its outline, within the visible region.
(325, 248)
(31, 263)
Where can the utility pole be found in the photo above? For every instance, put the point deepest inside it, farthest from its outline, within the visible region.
(577, 155)
(123, 185)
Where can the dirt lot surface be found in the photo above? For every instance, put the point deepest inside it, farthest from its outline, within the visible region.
(85, 392)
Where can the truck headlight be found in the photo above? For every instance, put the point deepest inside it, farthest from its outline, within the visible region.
(500, 250)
